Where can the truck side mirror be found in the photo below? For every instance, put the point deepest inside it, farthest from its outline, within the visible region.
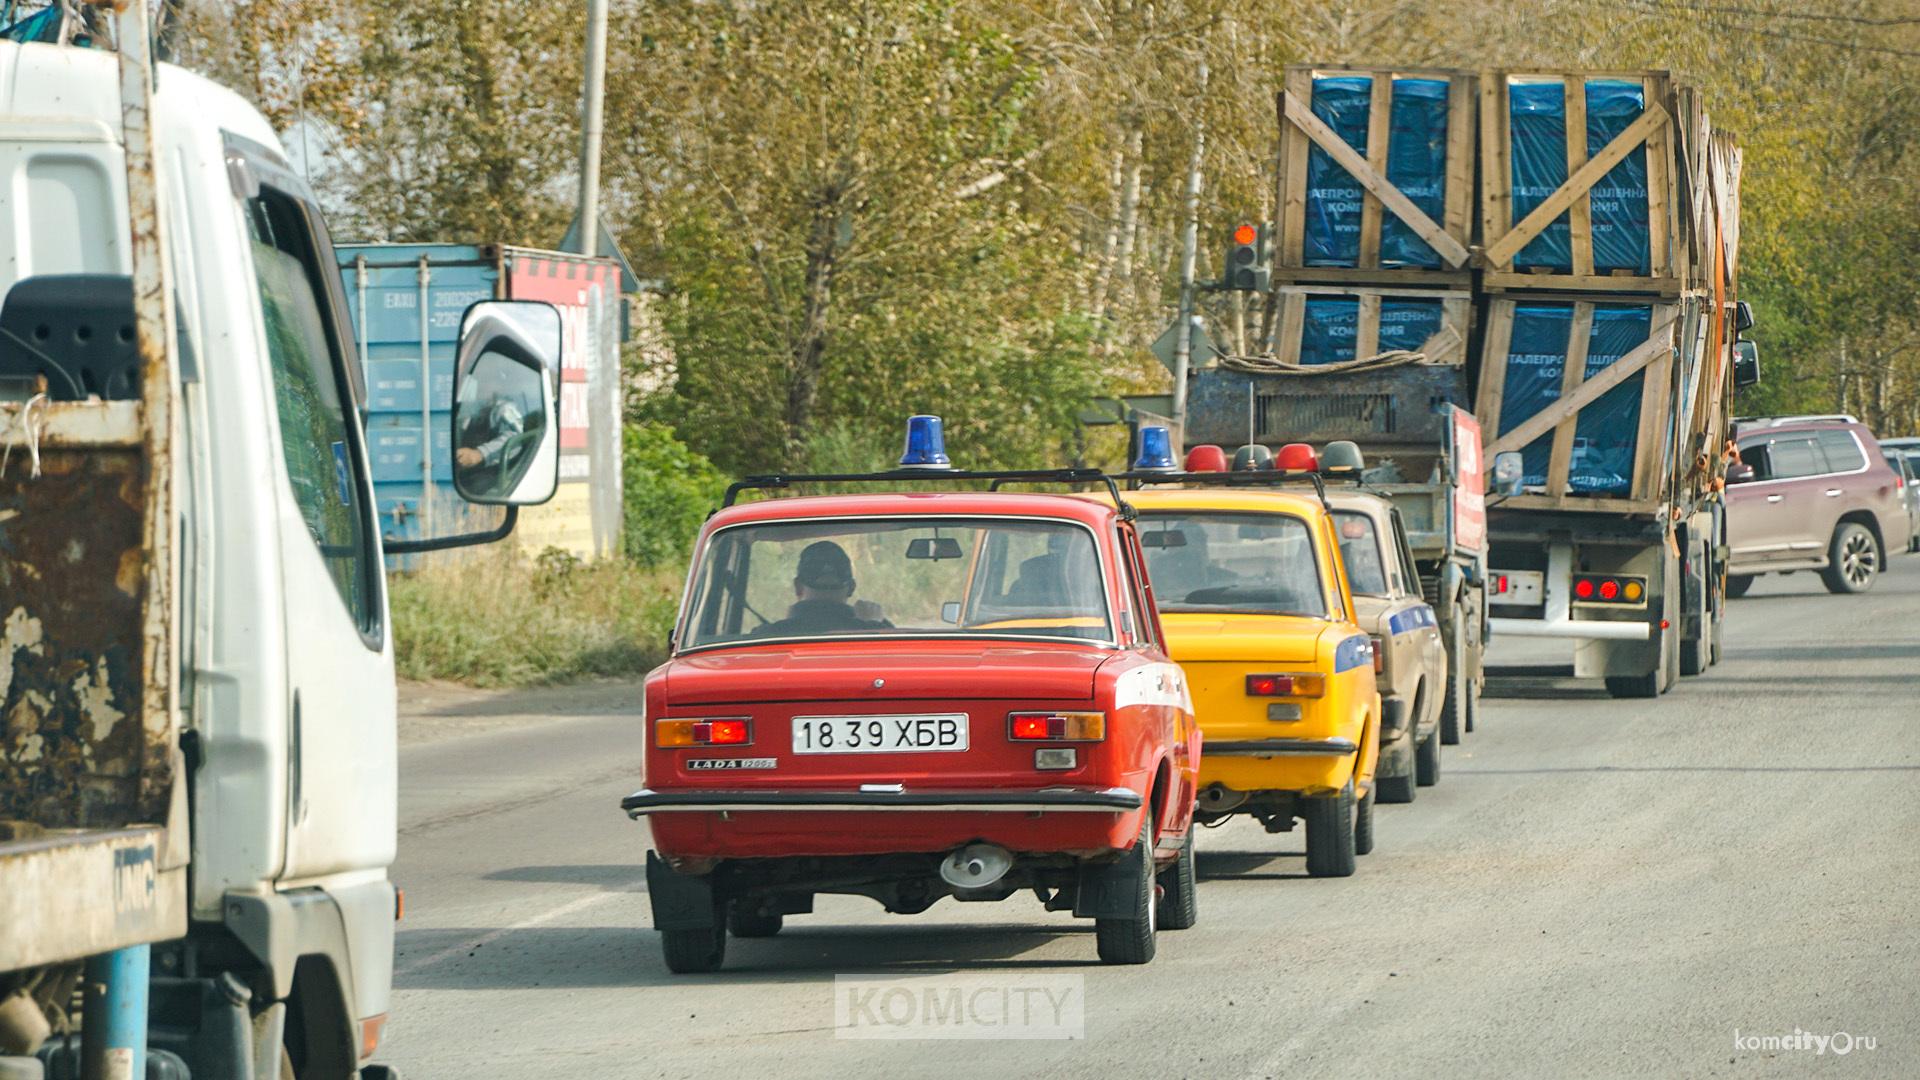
(1509, 473)
(506, 379)
(1739, 473)
(1746, 363)
(1742, 317)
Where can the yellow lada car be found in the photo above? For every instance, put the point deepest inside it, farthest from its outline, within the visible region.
(1256, 607)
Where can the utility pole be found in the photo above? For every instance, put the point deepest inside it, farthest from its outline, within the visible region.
(592, 113)
(1183, 345)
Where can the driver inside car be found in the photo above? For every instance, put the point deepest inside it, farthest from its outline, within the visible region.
(824, 587)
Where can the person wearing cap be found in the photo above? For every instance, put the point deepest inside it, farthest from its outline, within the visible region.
(824, 586)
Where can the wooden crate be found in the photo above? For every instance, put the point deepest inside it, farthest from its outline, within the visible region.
(1300, 131)
(1659, 129)
(1655, 356)
(1448, 346)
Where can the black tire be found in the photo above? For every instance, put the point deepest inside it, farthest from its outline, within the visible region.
(1453, 707)
(1130, 940)
(1180, 890)
(747, 923)
(1330, 849)
(690, 952)
(1363, 825)
(1394, 790)
(1738, 584)
(1473, 705)
(1426, 761)
(1854, 559)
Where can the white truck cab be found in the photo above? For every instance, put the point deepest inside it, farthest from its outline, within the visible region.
(196, 664)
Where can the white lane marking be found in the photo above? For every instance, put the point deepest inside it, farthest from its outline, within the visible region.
(491, 936)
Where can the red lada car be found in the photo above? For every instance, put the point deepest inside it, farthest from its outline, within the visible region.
(914, 696)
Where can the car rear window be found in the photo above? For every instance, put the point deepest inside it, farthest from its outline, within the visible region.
(1360, 549)
(900, 577)
(1843, 451)
(1251, 563)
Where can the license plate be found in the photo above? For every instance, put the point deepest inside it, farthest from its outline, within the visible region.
(879, 734)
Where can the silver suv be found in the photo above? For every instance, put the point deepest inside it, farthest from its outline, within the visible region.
(1812, 493)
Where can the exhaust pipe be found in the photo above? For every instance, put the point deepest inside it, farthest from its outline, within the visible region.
(1220, 799)
(976, 866)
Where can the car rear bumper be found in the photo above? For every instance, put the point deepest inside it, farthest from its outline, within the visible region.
(1115, 800)
(1334, 747)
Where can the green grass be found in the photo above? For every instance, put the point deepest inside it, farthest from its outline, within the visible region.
(501, 621)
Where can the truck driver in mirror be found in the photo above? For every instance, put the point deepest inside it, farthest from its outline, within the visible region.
(495, 445)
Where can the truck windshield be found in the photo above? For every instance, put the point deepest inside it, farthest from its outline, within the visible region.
(1360, 550)
(901, 577)
(1259, 564)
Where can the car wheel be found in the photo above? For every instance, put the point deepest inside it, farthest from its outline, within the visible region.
(690, 952)
(1130, 940)
(1426, 761)
(1180, 890)
(1853, 559)
(1394, 789)
(1329, 819)
(1363, 825)
(1453, 707)
(745, 922)
(1738, 584)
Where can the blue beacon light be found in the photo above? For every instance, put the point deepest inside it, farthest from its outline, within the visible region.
(1156, 450)
(926, 446)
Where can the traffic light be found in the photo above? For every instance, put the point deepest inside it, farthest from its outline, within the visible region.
(1249, 259)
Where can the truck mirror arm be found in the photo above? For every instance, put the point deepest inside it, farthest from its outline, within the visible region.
(445, 543)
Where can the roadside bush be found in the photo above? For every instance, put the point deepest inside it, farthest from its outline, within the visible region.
(669, 492)
(505, 620)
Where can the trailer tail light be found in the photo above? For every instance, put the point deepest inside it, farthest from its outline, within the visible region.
(1286, 685)
(1056, 726)
(717, 731)
(1610, 590)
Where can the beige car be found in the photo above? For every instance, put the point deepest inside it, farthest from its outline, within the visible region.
(1410, 656)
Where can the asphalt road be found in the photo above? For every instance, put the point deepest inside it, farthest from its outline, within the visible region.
(1595, 888)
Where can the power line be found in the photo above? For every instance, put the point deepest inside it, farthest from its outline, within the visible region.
(1808, 16)
(1652, 7)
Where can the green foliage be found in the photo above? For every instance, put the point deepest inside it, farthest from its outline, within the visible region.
(669, 491)
(500, 620)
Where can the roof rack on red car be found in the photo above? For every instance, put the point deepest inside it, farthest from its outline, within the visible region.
(926, 460)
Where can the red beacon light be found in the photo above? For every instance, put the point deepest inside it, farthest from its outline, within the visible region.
(1296, 457)
(1206, 458)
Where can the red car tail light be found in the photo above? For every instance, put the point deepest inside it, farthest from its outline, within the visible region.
(1286, 685)
(720, 731)
(1057, 726)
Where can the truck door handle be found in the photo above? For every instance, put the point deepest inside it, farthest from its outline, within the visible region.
(1774, 498)
(1832, 492)
(298, 795)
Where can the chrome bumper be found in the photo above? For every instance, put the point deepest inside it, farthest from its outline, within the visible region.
(1086, 800)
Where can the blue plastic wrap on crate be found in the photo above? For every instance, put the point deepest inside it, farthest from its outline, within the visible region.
(1617, 203)
(1607, 429)
(1334, 197)
(1416, 164)
(1330, 332)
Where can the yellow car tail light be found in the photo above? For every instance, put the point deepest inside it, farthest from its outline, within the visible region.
(1286, 685)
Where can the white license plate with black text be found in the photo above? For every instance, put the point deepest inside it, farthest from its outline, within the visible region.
(879, 734)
